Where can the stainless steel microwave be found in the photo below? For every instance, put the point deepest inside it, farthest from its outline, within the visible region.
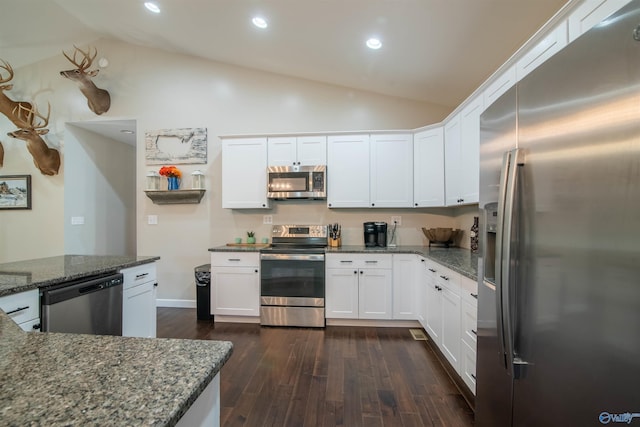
(297, 182)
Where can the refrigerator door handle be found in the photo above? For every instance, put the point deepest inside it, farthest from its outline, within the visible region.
(502, 194)
(515, 366)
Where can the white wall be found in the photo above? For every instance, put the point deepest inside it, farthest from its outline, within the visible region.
(164, 90)
(98, 184)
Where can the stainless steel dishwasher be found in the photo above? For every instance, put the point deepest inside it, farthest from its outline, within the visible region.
(85, 306)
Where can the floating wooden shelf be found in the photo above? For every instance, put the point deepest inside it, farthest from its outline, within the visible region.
(175, 197)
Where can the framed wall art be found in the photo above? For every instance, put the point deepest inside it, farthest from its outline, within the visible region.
(15, 191)
(176, 146)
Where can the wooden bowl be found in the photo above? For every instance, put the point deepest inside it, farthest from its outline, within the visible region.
(441, 234)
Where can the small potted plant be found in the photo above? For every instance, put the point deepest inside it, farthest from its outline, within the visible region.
(251, 237)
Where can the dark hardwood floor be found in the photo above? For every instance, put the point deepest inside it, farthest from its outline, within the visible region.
(337, 376)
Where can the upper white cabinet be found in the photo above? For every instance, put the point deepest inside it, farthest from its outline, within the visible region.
(461, 155)
(244, 173)
(428, 168)
(348, 171)
(590, 13)
(543, 50)
(300, 151)
(500, 85)
(391, 170)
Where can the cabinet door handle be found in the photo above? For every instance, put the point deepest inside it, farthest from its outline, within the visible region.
(233, 259)
(361, 272)
(140, 276)
(17, 310)
(474, 332)
(355, 272)
(421, 260)
(36, 327)
(432, 270)
(445, 277)
(255, 271)
(474, 377)
(155, 284)
(475, 296)
(371, 262)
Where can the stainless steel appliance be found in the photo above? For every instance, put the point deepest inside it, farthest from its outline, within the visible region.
(297, 182)
(85, 306)
(559, 296)
(375, 234)
(292, 277)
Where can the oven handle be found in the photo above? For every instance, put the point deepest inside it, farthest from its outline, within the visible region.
(292, 257)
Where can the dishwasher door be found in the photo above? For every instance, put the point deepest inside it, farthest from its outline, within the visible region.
(85, 307)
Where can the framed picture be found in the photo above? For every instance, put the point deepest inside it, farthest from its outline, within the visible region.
(176, 146)
(15, 191)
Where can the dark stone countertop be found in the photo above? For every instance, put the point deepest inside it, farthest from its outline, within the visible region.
(56, 379)
(22, 276)
(460, 260)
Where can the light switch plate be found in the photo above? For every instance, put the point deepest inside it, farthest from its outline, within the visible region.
(77, 220)
(152, 219)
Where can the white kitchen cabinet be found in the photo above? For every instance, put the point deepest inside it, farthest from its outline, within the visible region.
(235, 283)
(499, 85)
(300, 151)
(450, 338)
(391, 164)
(244, 173)
(543, 50)
(469, 329)
(23, 308)
(428, 168)
(348, 171)
(359, 286)
(421, 294)
(139, 301)
(590, 13)
(462, 155)
(406, 274)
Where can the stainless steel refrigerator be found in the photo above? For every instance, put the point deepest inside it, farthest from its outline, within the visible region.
(559, 280)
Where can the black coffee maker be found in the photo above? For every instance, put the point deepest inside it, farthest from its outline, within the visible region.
(375, 234)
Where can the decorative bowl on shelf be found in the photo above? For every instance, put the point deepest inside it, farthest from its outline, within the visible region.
(441, 236)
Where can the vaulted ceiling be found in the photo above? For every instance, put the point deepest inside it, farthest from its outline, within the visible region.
(435, 51)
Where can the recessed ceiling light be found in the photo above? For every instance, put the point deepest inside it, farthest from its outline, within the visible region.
(374, 43)
(259, 22)
(152, 6)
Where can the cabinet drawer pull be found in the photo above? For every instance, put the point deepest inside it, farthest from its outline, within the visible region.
(474, 332)
(140, 276)
(444, 277)
(432, 270)
(233, 259)
(371, 262)
(17, 310)
(345, 261)
(475, 296)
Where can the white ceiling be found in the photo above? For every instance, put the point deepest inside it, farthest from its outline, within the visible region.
(436, 51)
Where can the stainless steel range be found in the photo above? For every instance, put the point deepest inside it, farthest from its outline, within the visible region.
(292, 276)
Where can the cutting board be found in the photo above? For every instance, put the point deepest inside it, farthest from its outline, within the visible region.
(248, 245)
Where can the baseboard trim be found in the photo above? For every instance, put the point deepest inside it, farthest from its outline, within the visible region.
(236, 319)
(176, 303)
(374, 323)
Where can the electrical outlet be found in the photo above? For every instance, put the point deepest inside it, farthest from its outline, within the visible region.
(267, 219)
(396, 220)
(152, 219)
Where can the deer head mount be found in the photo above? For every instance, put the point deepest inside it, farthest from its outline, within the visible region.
(31, 125)
(98, 99)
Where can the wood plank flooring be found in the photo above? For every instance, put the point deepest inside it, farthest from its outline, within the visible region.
(337, 376)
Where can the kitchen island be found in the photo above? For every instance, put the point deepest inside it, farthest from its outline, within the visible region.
(58, 379)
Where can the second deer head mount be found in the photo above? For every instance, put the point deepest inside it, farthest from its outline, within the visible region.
(98, 99)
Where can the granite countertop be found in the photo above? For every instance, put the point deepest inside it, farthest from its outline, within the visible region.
(22, 276)
(56, 379)
(460, 260)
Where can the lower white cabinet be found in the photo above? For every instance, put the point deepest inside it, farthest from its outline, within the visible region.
(405, 286)
(358, 286)
(450, 317)
(23, 308)
(235, 283)
(139, 301)
(469, 331)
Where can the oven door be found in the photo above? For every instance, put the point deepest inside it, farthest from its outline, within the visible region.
(292, 279)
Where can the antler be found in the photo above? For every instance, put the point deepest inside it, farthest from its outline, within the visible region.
(25, 117)
(87, 58)
(5, 66)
